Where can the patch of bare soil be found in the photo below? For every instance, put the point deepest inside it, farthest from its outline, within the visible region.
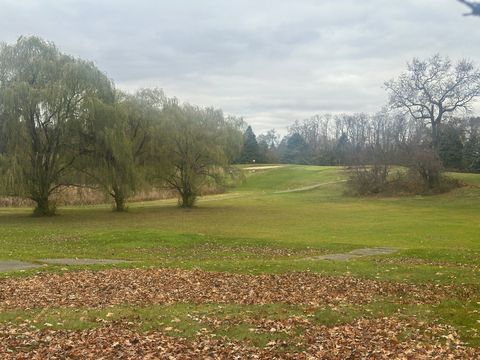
(167, 286)
(386, 338)
(15, 265)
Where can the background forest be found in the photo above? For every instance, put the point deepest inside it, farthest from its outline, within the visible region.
(65, 128)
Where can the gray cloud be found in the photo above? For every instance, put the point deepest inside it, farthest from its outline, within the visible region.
(272, 61)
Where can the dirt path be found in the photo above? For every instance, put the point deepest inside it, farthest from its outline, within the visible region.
(264, 167)
(15, 265)
(307, 188)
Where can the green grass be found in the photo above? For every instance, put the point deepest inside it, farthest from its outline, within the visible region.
(243, 226)
(255, 229)
(289, 177)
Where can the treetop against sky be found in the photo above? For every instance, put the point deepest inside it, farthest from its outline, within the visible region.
(270, 64)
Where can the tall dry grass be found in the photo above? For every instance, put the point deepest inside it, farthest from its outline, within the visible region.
(77, 196)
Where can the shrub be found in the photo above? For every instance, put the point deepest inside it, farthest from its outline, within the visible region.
(423, 177)
(428, 166)
(368, 180)
(410, 182)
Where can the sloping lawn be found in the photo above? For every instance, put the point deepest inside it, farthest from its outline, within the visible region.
(255, 234)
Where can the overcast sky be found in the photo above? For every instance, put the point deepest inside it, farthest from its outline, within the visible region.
(269, 61)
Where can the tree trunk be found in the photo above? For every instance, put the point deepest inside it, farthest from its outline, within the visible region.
(435, 137)
(44, 207)
(119, 204)
(119, 199)
(187, 198)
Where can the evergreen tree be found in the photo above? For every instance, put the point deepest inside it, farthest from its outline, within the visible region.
(471, 154)
(451, 147)
(296, 150)
(250, 152)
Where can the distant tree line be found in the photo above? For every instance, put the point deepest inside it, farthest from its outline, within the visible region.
(63, 123)
(351, 139)
(427, 126)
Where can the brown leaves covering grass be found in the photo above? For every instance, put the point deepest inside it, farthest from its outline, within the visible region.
(386, 338)
(167, 286)
(293, 337)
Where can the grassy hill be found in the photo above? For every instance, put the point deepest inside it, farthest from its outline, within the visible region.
(271, 209)
(276, 222)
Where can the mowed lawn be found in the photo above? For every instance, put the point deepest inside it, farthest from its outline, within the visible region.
(275, 223)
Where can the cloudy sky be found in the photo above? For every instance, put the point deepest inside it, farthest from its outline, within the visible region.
(270, 61)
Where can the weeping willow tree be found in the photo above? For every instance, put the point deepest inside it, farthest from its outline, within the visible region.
(44, 98)
(116, 140)
(197, 146)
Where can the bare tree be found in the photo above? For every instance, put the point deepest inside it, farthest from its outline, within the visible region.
(431, 89)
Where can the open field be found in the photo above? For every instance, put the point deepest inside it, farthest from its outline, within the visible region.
(238, 275)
